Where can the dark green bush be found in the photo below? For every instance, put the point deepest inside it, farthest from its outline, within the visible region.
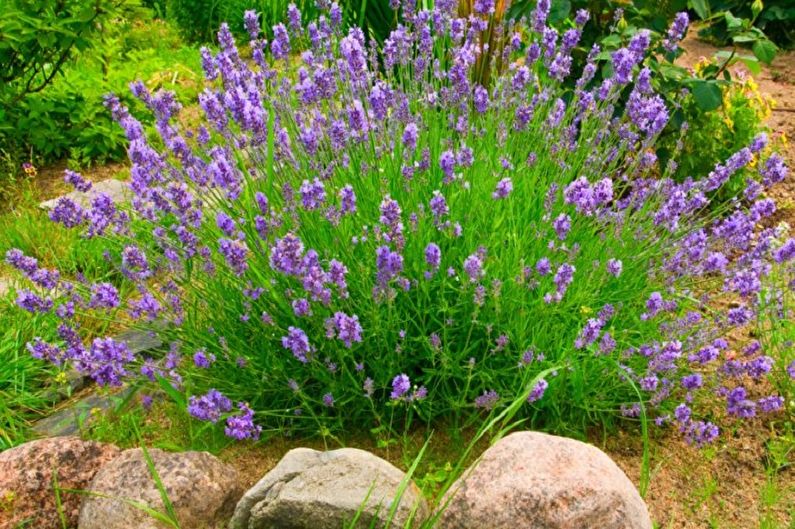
(776, 19)
(38, 38)
(199, 20)
(67, 119)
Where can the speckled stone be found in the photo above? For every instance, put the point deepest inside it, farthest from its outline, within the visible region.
(535, 480)
(117, 190)
(309, 489)
(26, 480)
(202, 489)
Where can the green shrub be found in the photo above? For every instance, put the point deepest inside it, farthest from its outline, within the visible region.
(68, 118)
(37, 39)
(357, 247)
(711, 137)
(199, 20)
(776, 18)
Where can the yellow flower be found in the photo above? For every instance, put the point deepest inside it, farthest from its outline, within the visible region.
(60, 378)
(585, 310)
(700, 65)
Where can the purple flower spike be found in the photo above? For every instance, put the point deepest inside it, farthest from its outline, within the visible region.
(488, 400)
(400, 386)
(473, 266)
(614, 267)
(504, 188)
(210, 406)
(77, 181)
(298, 343)
(538, 391)
(241, 426)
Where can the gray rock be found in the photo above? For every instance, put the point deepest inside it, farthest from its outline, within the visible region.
(535, 480)
(117, 190)
(29, 472)
(73, 417)
(76, 415)
(309, 489)
(140, 341)
(202, 490)
(74, 382)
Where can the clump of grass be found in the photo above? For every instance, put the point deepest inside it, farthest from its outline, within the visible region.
(24, 380)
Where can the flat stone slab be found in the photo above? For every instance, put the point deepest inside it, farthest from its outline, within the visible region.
(69, 420)
(140, 341)
(75, 381)
(116, 189)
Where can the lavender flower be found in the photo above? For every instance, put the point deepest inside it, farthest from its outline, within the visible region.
(67, 212)
(770, 404)
(488, 400)
(484, 7)
(77, 181)
(298, 343)
(504, 188)
(433, 255)
(241, 426)
(313, 194)
(251, 23)
(400, 386)
(676, 31)
(614, 267)
(280, 46)
(203, 360)
(344, 327)
(347, 200)
(210, 406)
(33, 303)
(473, 266)
(538, 391)
(562, 225)
(105, 296)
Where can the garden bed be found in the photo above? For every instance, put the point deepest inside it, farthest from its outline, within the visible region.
(743, 480)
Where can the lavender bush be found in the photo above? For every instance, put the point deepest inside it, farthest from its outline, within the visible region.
(358, 236)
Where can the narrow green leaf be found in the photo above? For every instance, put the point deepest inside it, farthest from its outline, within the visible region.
(175, 395)
(701, 7)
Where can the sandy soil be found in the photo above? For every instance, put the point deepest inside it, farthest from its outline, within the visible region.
(726, 486)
